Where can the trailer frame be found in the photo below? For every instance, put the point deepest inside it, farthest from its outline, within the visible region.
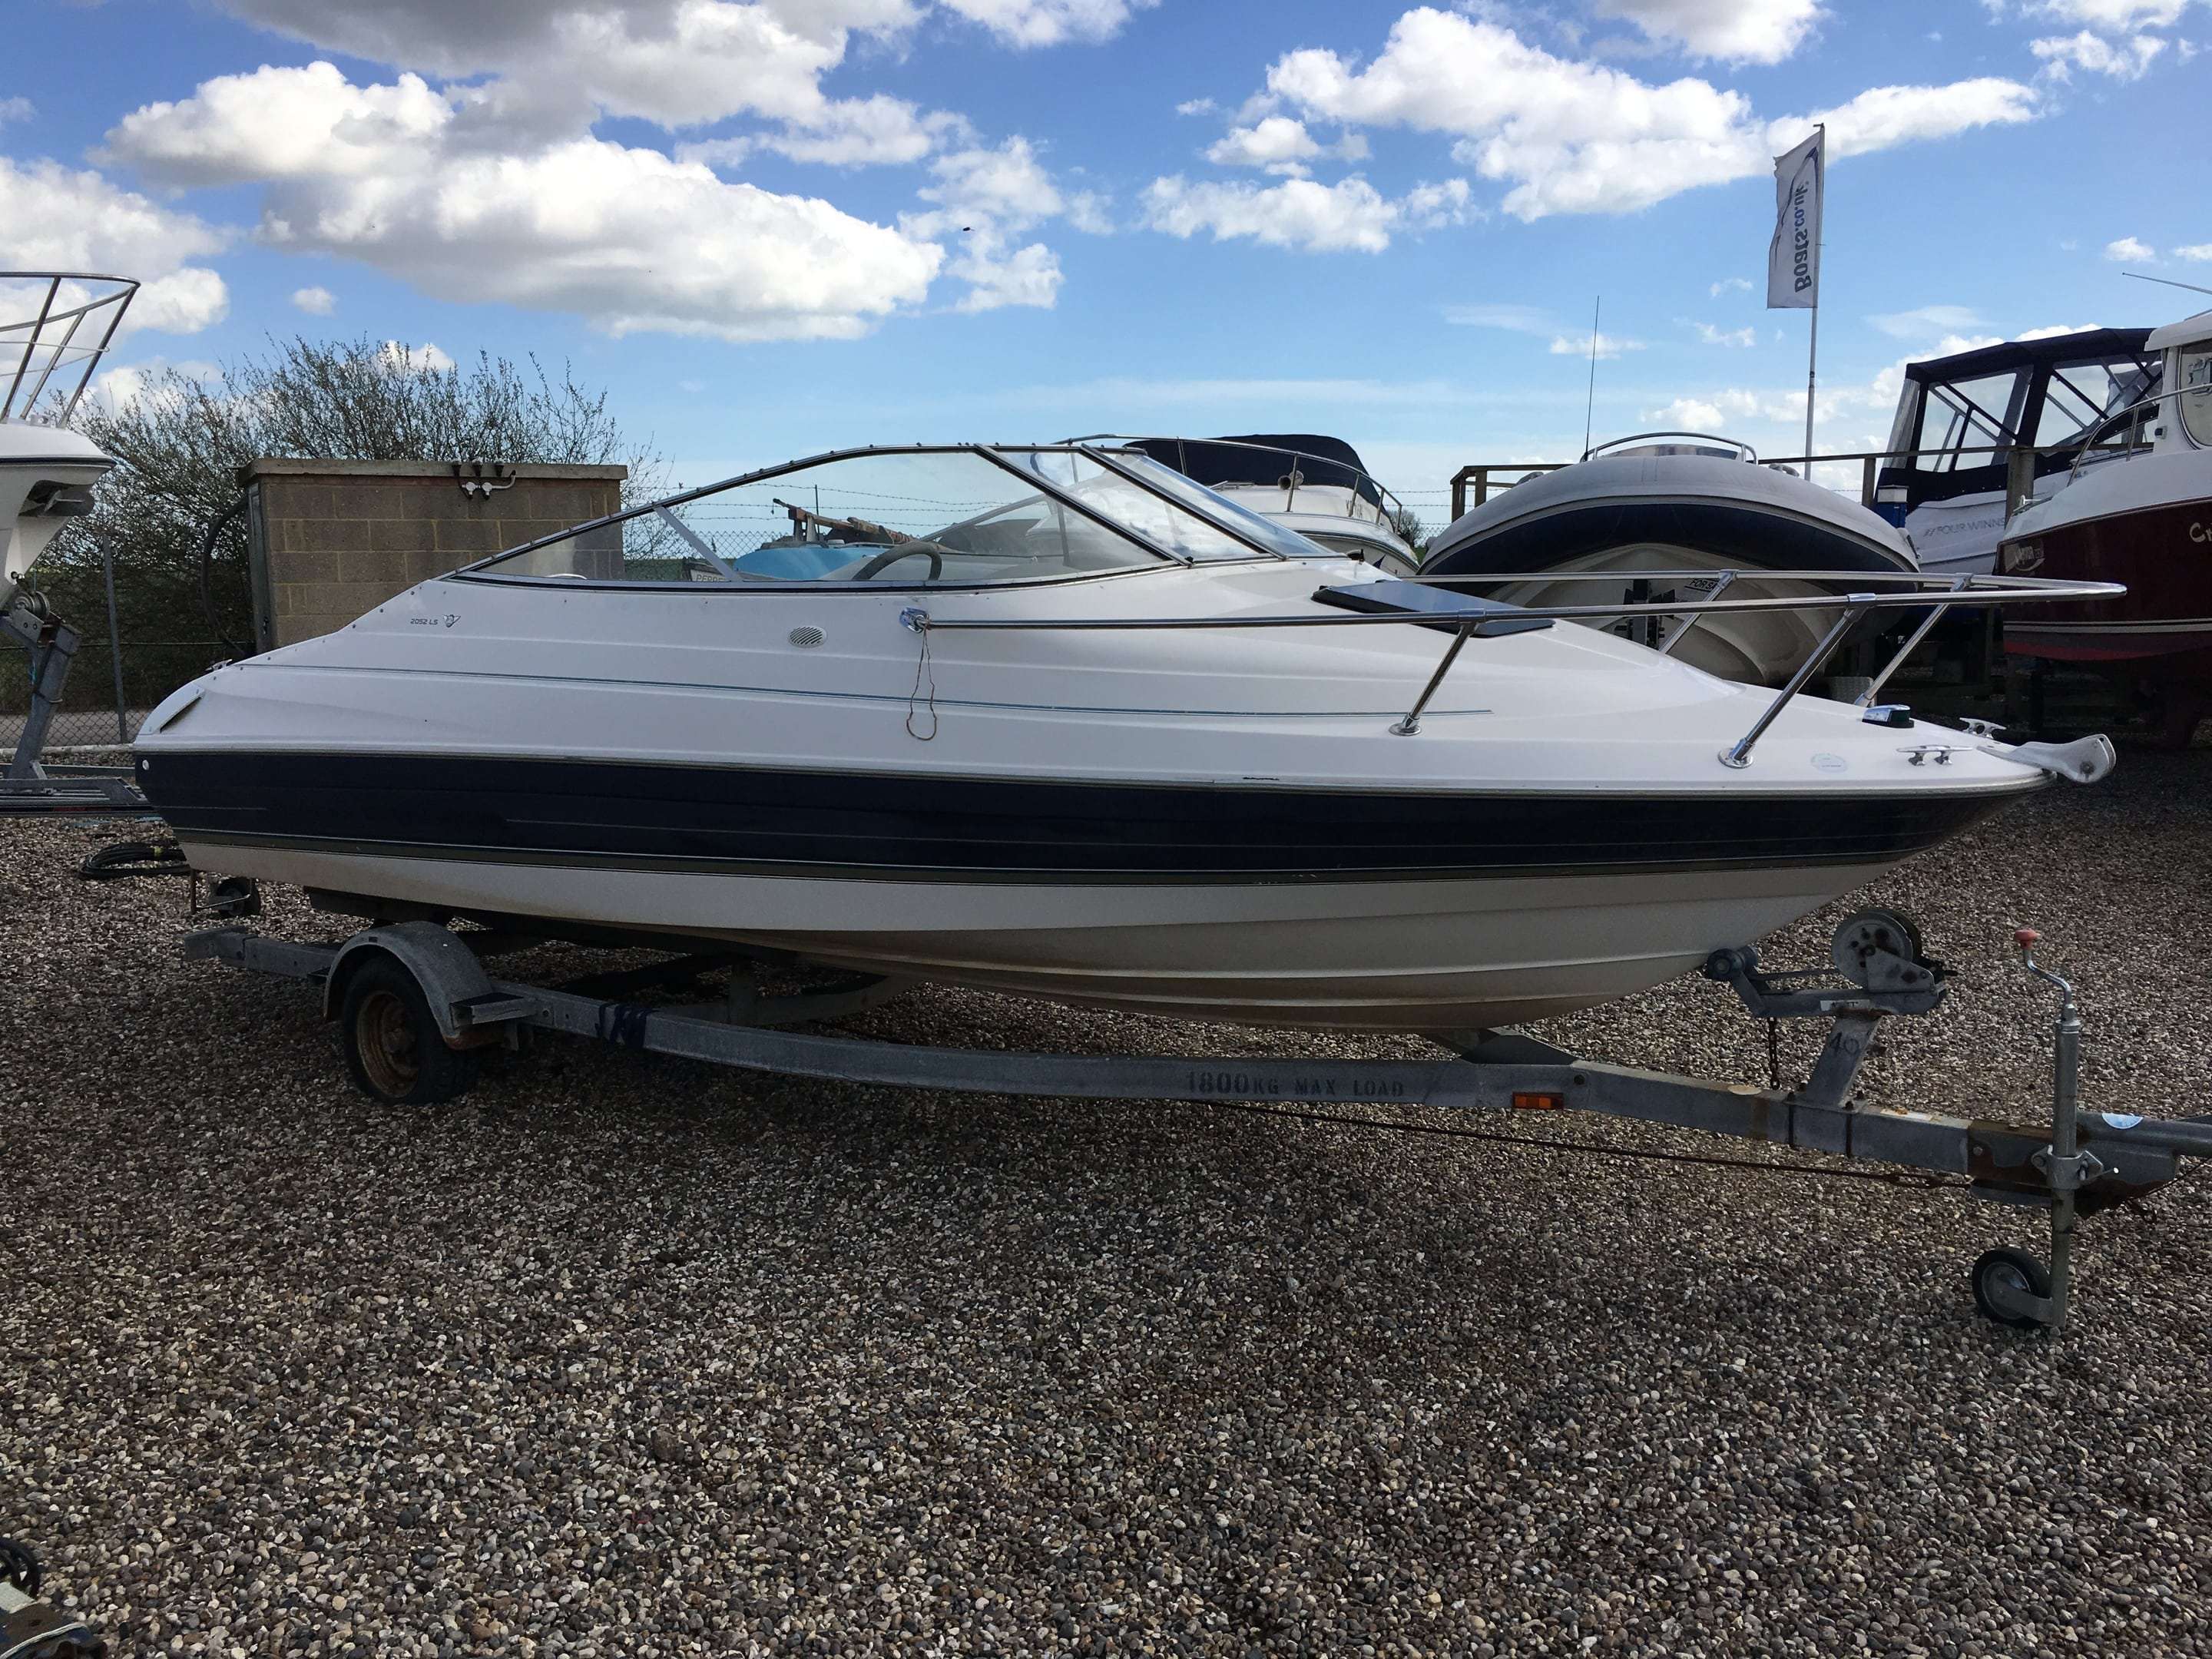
(414, 1002)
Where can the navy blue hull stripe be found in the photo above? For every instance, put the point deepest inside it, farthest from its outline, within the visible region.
(599, 813)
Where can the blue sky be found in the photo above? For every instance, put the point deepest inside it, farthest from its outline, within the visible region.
(770, 227)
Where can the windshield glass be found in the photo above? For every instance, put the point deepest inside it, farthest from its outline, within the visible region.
(1252, 527)
(2196, 400)
(1189, 523)
(903, 518)
(1963, 420)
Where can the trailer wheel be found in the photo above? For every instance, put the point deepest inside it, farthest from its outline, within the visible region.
(393, 1045)
(2006, 1284)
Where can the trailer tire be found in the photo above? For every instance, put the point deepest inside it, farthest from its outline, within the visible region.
(2001, 1278)
(393, 1048)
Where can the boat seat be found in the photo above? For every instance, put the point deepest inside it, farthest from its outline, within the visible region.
(1373, 597)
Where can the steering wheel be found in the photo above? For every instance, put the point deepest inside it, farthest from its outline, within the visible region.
(891, 555)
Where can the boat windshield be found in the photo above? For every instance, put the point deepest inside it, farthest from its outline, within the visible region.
(1095, 476)
(901, 517)
(2195, 383)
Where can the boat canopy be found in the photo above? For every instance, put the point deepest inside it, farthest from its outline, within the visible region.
(922, 515)
(1268, 458)
(1960, 417)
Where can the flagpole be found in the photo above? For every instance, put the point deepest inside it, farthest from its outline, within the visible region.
(1813, 345)
(1812, 358)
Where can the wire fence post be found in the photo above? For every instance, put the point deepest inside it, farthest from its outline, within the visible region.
(114, 645)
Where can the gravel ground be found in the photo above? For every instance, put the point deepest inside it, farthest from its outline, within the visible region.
(625, 1356)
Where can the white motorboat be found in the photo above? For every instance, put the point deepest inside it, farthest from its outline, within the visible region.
(1315, 485)
(63, 323)
(1960, 419)
(1682, 502)
(1056, 721)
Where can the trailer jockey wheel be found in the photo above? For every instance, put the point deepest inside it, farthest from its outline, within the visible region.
(393, 1045)
(2008, 1286)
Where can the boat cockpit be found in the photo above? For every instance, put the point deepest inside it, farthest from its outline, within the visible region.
(956, 515)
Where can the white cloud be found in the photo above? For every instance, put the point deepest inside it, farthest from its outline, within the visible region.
(1195, 106)
(62, 219)
(115, 389)
(2123, 60)
(1578, 345)
(1849, 415)
(1007, 188)
(1431, 207)
(1281, 144)
(16, 109)
(1883, 117)
(677, 62)
(2199, 252)
(1926, 321)
(315, 302)
(309, 123)
(2114, 16)
(423, 185)
(1736, 31)
(984, 198)
(1729, 285)
(1275, 142)
(1028, 276)
(1521, 320)
(1580, 138)
(1299, 213)
(1049, 22)
(420, 359)
(1712, 334)
(2055, 331)
(874, 131)
(2129, 250)
(1091, 212)
(183, 303)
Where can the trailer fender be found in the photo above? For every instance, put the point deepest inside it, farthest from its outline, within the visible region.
(452, 978)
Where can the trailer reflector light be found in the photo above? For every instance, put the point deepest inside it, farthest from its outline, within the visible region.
(1540, 1103)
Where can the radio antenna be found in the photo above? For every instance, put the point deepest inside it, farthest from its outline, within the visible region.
(1589, 406)
(2168, 281)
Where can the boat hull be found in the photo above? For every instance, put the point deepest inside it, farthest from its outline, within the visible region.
(2161, 628)
(1380, 910)
(1629, 515)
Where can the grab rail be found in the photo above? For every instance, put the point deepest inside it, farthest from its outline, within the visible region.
(2130, 414)
(1917, 591)
(1744, 452)
(43, 347)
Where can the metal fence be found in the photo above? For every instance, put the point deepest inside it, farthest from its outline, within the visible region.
(112, 686)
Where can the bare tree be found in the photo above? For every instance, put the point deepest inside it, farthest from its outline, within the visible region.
(180, 441)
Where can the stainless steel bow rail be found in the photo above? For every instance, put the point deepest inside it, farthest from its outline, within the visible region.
(1872, 592)
(415, 1004)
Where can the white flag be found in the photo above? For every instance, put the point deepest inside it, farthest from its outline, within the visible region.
(1793, 261)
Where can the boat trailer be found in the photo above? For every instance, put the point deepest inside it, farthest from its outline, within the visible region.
(415, 1006)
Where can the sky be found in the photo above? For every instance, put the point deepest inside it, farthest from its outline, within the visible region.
(770, 227)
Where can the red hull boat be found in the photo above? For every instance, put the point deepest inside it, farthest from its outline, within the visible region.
(2135, 509)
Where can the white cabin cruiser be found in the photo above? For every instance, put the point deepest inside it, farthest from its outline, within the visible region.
(1681, 502)
(1315, 485)
(938, 713)
(1961, 419)
(62, 323)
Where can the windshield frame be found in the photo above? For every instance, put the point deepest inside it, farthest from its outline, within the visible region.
(484, 569)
